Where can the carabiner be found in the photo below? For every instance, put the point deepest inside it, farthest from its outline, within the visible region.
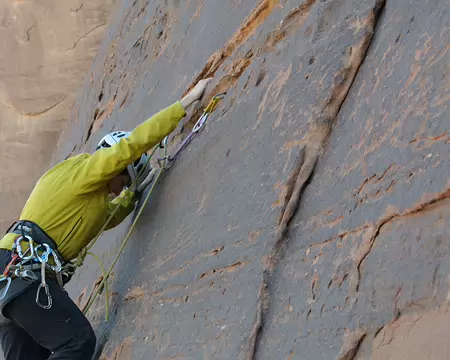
(49, 297)
(200, 122)
(20, 252)
(58, 265)
(7, 286)
(208, 110)
(164, 142)
(43, 258)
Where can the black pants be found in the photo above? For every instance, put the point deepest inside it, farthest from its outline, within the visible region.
(61, 332)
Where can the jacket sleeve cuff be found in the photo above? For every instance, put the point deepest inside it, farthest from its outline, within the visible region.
(179, 109)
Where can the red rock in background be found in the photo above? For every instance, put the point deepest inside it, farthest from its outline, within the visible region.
(47, 49)
(309, 218)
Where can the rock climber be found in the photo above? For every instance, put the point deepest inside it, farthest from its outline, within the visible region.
(65, 211)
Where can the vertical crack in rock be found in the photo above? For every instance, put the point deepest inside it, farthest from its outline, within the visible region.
(249, 348)
(316, 140)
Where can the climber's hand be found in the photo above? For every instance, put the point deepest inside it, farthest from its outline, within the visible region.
(195, 94)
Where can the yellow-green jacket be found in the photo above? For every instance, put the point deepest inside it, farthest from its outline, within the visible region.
(71, 203)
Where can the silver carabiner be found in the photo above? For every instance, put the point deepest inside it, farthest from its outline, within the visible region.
(43, 258)
(199, 124)
(7, 286)
(20, 252)
(49, 297)
(208, 110)
(58, 265)
(164, 142)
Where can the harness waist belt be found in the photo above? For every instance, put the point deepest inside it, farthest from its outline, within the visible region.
(39, 236)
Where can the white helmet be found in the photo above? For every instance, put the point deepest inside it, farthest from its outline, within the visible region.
(136, 167)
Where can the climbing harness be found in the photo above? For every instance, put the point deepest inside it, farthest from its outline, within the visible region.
(164, 164)
(198, 125)
(25, 264)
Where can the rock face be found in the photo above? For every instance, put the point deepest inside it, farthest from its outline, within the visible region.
(47, 49)
(309, 220)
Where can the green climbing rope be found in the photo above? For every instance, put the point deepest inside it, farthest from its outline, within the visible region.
(102, 268)
(122, 247)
